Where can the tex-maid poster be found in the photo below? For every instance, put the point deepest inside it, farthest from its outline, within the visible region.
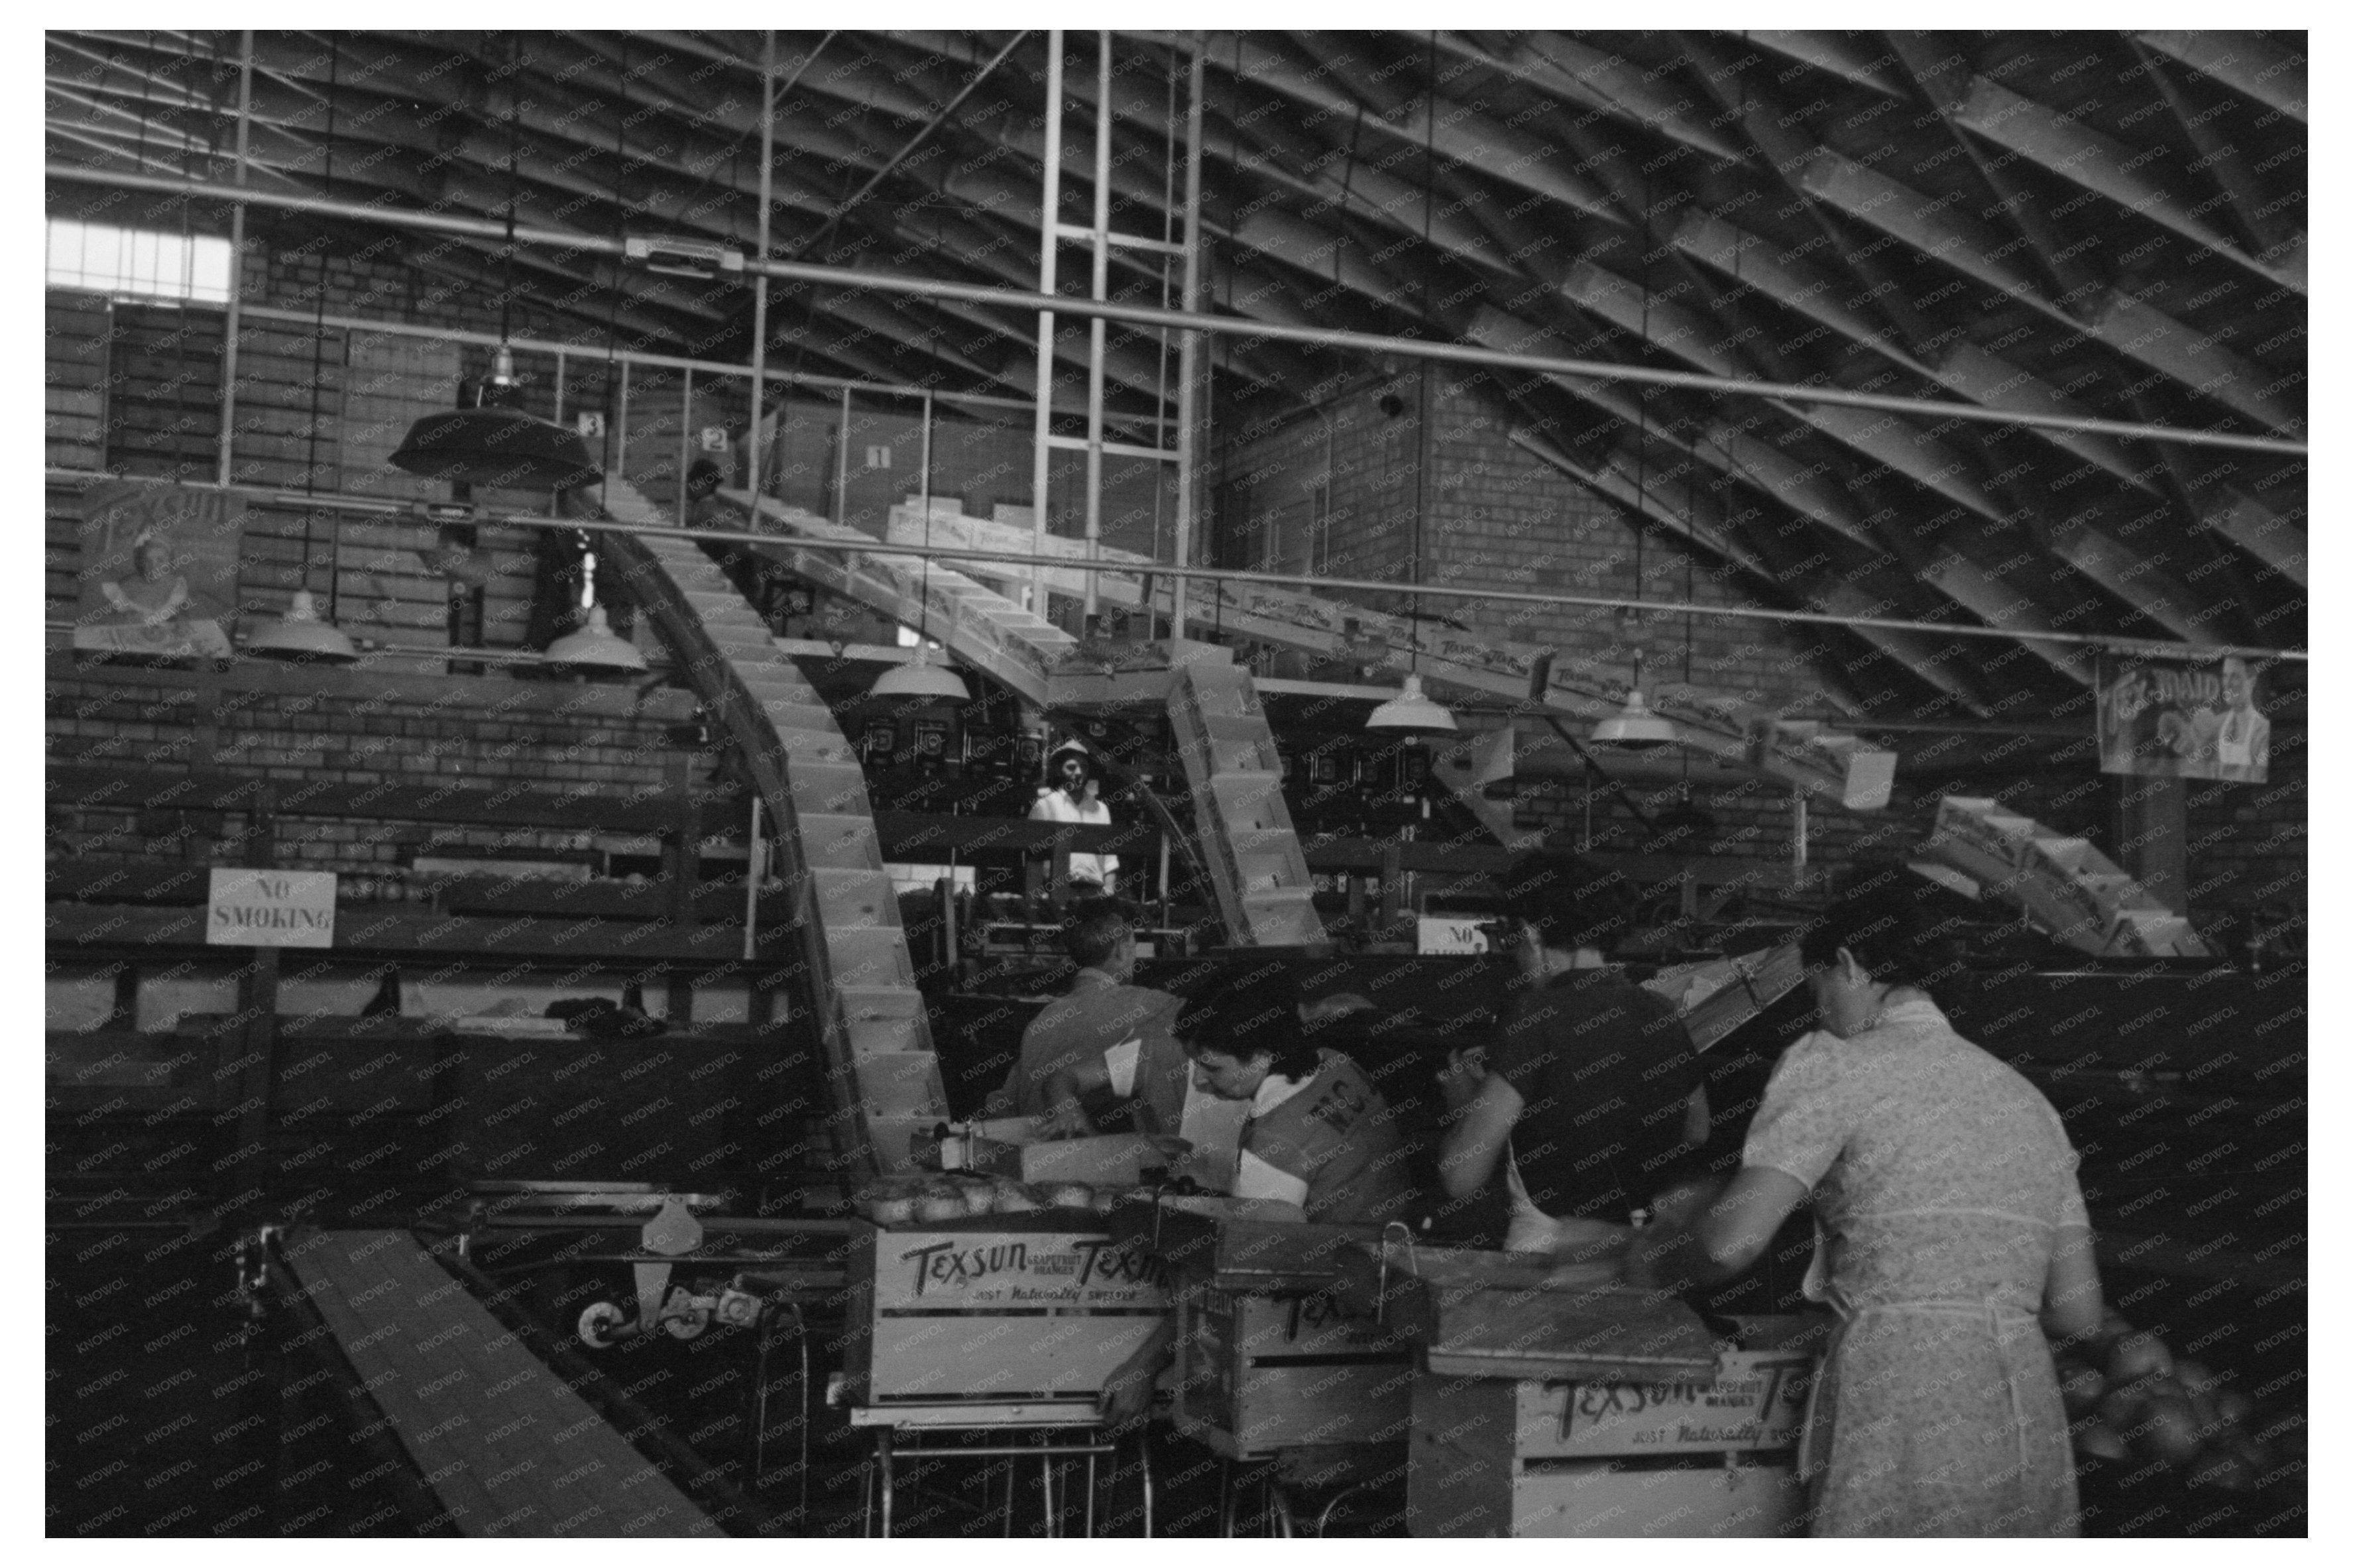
(158, 570)
(2176, 718)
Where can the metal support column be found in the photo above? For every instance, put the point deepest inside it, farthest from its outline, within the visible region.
(760, 283)
(1190, 364)
(231, 323)
(1049, 241)
(1100, 286)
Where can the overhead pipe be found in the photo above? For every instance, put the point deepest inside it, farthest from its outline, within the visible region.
(1271, 331)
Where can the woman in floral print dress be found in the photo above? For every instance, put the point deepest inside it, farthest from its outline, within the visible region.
(1953, 1240)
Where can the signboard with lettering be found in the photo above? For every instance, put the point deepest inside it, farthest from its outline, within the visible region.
(158, 570)
(1453, 933)
(271, 909)
(2176, 718)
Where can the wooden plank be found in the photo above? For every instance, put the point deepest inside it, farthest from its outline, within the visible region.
(507, 1447)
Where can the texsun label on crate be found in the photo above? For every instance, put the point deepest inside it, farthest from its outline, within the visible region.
(1759, 1401)
(942, 1270)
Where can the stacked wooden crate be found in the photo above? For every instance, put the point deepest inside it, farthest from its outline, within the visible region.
(1264, 890)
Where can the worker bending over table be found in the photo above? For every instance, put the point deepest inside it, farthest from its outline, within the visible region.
(1320, 1144)
(1949, 1221)
(1590, 1093)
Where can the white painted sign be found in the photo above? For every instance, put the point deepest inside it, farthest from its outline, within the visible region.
(271, 909)
(1453, 933)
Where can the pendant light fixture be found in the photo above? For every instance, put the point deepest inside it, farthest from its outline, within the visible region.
(302, 634)
(1410, 711)
(919, 678)
(592, 648)
(1635, 725)
(482, 442)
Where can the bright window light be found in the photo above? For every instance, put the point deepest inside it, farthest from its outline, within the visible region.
(137, 262)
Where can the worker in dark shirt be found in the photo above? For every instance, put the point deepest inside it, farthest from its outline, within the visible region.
(1590, 1093)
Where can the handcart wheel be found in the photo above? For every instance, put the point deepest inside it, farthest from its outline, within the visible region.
(600, 1324)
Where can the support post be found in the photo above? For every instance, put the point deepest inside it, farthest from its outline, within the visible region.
(760, 282)
(1190, 364)
(841, 464)
(230, 325)
(685, 438)
(2152, 821)
(1049, 211)
(1100, 288)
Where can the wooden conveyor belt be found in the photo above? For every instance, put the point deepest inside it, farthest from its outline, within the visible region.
(1737, 733)
(506, 1447)
(861, 980)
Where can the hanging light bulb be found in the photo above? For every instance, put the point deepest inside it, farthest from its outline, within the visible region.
(299, 634)
(594, 648)
(920, 677)
(1410, 711)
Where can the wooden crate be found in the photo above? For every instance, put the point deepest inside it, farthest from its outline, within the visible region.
(1495, 1456)
(1257, 1374)
(1743, 1498)
(994, 1314)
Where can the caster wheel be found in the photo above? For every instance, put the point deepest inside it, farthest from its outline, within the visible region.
(688, 1326)
(601, 1324)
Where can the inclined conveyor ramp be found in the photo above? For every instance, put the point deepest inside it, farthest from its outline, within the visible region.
(861, 979)
(505, 1447)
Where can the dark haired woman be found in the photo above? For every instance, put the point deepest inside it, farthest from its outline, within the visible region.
(1319, 1136)
(1944, 1188)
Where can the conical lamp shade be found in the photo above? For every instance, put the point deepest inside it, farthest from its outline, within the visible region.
(1409, 709)
(299, 634)
(503, 447)
(594, 647)
(919, 677)
(1635, 724)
